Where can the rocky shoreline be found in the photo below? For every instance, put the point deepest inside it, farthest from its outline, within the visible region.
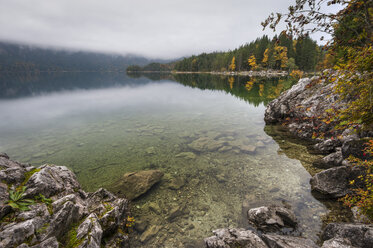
(296, 110)
(56, 212)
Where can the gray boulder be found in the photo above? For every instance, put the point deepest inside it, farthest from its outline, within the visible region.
(234, 237)
(337, 243)
(281, 241)
(11, 172)
(334, 182)
(51, 180)
(327, 146)
(359, 235)
(332, 160)
(272, 219)
(134, 184)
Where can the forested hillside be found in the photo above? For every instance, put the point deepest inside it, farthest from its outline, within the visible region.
(23, 58)
(279, 53)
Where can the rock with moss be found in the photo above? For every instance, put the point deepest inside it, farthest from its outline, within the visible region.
(58, 212)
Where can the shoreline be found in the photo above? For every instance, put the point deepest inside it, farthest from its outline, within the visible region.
(267, 73)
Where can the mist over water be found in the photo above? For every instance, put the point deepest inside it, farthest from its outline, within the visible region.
(204, 133)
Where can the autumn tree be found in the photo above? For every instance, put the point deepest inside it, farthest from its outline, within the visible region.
(252, 62)
(232, 65)
(281, 57)
(265, 58)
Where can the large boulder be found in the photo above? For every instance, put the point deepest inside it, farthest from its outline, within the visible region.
(298, 109)
(272, 219)
(334, 182)
(134, 184)
(359, 235)
(282, 107)
(234, 237)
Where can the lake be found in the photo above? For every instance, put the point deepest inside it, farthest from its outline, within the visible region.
(206, 133)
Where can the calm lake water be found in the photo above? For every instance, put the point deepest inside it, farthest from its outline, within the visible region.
(206, 133)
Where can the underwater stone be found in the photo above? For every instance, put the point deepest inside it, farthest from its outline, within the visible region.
(176, 183)
(149, 233)
(260, 144)
(134, 184)
(225, 148)
(206, 144)
(153, 206)
(150, 150)
(186, 155)
(175, 212)
(248, 148)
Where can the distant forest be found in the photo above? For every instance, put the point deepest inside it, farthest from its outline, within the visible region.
(279, 53)
(15, 58)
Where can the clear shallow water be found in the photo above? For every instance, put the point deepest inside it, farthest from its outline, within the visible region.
(200, 131)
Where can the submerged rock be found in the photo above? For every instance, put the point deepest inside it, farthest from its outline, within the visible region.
(134, 184)
(359, 235)
(206, 144)
(176, 183)
(149, 233)
(186, 155)
(272, 219)
(334, 182)
(234, 237)
(150, 150)
(70, 218)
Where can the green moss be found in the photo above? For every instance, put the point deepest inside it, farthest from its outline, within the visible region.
(71, 239)
(27, 177)
(43, 228)
(108, 208)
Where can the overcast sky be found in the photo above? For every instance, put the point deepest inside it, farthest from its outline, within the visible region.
(152, 28)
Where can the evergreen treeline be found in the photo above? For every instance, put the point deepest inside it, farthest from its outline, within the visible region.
(279, 53)
(16, 58)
